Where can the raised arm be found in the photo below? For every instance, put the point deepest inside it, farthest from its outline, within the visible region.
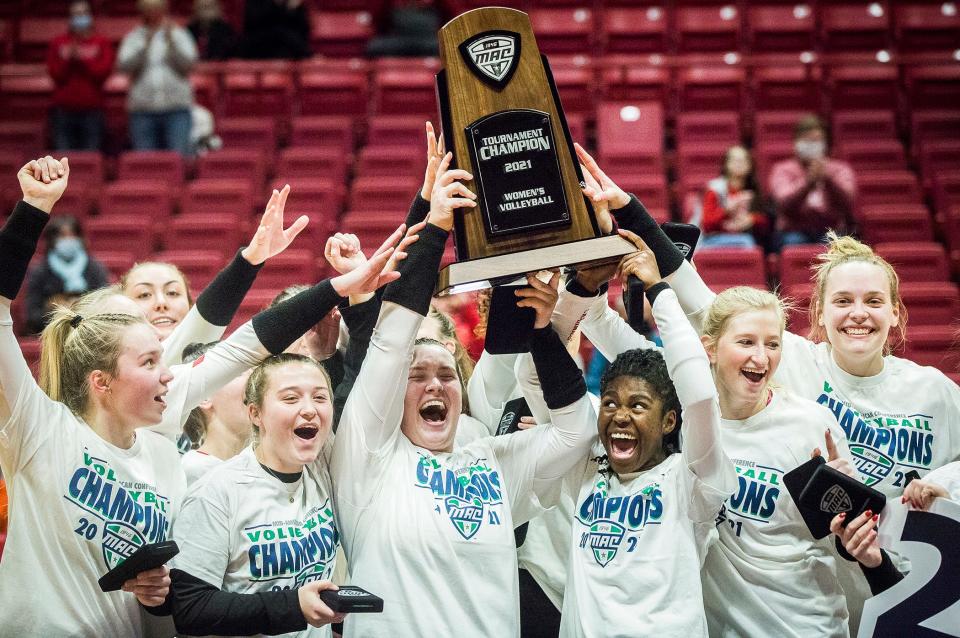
(219, 301)
(712, 477)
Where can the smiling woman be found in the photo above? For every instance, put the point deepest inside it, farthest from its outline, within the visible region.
(223, 581)
(162, 291)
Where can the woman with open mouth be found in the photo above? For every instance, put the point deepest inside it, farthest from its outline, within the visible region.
(643, 509)
(427, 526)
(258, 537)
(90, 483)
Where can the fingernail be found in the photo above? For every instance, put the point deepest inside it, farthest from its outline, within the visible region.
(843, 514)
(869, 513)
(876, 517)
(903, 499)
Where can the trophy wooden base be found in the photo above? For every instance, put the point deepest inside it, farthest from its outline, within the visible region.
(484, 272)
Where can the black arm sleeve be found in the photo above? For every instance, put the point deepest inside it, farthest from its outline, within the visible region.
(419, 208)
(360, 320)
(220, 299)
(200, 609)
(655, 290)
(883, 576)
(418, 272)
(560, 378)
(279, 326)
(18, 241)
(635, 218)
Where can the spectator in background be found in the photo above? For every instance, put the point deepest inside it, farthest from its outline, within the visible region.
(275, 29)
(214, 36)
(732, 210)
(79, 62)
(407, 28)
(66, 272)
(158, 56)
(813, 192)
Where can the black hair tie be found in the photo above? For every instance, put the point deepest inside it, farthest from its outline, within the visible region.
(76, 321)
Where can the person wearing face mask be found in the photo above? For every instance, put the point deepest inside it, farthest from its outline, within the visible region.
(813, 192)
(79, 62)
(66, 272)
(215, 38)
(158, 56)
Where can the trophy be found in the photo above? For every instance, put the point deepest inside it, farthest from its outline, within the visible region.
(502, 119)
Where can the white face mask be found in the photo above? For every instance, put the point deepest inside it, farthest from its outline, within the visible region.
(808, 150)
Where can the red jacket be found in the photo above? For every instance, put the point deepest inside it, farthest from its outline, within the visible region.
(79, 81)
(714, 215)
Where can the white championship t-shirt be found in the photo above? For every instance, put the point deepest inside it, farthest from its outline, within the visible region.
(196, 464)
(239, 530)
(767, 576)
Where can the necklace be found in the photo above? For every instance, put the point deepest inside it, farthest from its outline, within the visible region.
(291, 486)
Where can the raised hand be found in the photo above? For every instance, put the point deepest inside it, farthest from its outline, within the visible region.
(449, 194)
(343, 252)
(314, 610)
(150, 587)
(859, 537)
(377, 271)
(540, 296)
(602, 190)
(601, 207)
(834, 459)
(641, 264)
(920, 494)
(435, 153)
(271, 238)
(42, 181)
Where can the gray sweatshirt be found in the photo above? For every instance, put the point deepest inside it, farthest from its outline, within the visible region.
(159, 68)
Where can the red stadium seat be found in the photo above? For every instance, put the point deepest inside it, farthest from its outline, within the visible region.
(292, 266)
(252, 133)
(26, 96)
(215, 196)
(163, 166)
(933, 87)
(798, 318)
(340, 33)
(86, 172)
(937, 156)
(35, 35)
(409, 90)
(255, 300)
(708, 28)
(726, 267)
(115, 27)
(855, 27)
(945, 186)
(332, 131)
(236, 164)
(122, 233)
(932, 126)
(778, 28)
(206, 89)
(864, 87)
(715, 127)
(115, 108)
(766, 156)
(118, 262)
(632, 81)
(634, 30)
(698, 163)
(371, 228)
(384, 161)
(20, 136)
(302, 163)
(864, 125)
(795, 263)
(333, 92)
(650, 188)
(261, 95)
(932, 346)
(931, 303)
(380, 194)
(576, 88)
(921, 26)
(563, 30)
(76, 202)
(775, 126)
(194, 231)
(896, 222)
(787, 88)
(150, 200)
(200, 266)
(877, 154)
(916, 261)
(319, 199)
(888, 187)
(630, 137)
(397, 130)
(717, 88)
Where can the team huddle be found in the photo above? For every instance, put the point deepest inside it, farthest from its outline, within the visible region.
(657, 507)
